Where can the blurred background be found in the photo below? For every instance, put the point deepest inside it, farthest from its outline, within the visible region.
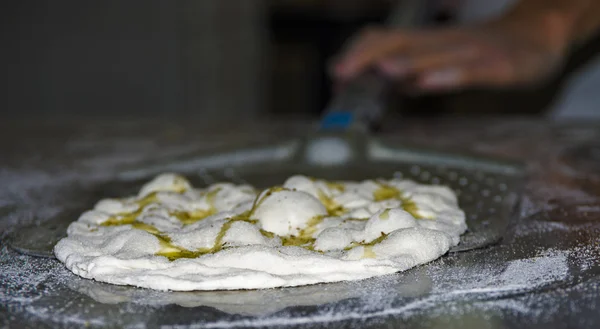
(212, 59)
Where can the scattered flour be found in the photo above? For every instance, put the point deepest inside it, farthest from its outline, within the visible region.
(40, 289)
(519, 276)
(447, 285)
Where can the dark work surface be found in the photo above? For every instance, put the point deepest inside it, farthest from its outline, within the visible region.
(542, 275)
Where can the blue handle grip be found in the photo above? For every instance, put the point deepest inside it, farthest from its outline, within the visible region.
(337, 120)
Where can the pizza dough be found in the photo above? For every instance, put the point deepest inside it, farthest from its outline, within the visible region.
(172, 236)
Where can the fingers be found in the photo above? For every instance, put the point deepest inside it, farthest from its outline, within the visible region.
(439, 60)
(490, 73)
(398, 53)
(370, 47)
(422, 60)
(444, 79)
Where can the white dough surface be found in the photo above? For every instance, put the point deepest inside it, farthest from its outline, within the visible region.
(172, 236)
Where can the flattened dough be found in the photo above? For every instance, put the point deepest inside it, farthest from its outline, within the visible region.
(172, 236)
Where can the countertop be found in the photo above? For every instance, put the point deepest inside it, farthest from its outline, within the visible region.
(555, 237)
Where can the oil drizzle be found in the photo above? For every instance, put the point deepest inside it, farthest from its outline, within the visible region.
(387, 192)
(368, 246)
(336, 186)
(168, 249)
(385, 215)
(333, 208)
(303, 239)
(191, 217)
(173, 252)
(369, 253)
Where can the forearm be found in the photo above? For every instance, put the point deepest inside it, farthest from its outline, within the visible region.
(561, 22)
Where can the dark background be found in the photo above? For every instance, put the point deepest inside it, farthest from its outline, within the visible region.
(209, 59)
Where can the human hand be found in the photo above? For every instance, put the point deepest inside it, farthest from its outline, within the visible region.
(495, 54)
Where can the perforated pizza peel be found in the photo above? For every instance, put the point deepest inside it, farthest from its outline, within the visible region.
(488, 189)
